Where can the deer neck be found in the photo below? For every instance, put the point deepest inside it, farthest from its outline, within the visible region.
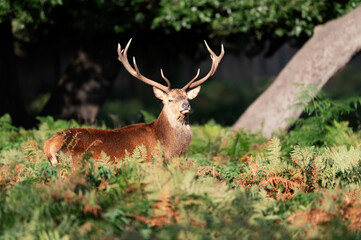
(174, 132)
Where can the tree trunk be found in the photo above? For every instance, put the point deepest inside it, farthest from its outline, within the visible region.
(10, 93)
(85, 84)
(331, 47)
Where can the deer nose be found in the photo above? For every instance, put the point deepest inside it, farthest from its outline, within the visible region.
(186, 106)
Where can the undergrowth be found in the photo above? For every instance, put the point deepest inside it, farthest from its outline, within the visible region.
(230, 185)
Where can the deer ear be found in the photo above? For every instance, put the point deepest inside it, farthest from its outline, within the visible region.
(193, 93)
(159, 93)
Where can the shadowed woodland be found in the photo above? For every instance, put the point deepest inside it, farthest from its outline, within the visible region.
(275, 152)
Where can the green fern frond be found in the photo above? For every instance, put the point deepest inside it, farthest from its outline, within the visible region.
(274, 162)
(140, 153)
(303, 156)
(340, 162)
(274, 150)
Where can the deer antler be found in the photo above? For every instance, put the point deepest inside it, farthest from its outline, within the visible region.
(123, 58)
(215, 61)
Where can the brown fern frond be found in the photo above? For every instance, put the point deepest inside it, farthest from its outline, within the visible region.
(288, 187)
(262, 146)
(164, 213)
(10, 174)
(277, 181)
(244, 181)
(92, 209)
(205, 170)
(311, 216)
(31, 151)
(250, 161)
(351, 209)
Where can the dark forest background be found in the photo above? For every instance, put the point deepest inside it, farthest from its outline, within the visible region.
(58, 57)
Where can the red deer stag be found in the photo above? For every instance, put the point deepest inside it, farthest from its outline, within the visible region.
(171, 128)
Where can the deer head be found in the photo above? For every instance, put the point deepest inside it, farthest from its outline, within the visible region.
(176, 101)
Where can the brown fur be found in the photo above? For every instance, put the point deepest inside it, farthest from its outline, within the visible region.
(171, 129)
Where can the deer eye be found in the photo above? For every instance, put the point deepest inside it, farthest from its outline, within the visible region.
(170, 100)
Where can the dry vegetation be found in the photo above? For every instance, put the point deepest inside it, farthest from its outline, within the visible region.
(228, 186)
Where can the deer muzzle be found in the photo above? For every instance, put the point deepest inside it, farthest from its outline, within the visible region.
(185, 108)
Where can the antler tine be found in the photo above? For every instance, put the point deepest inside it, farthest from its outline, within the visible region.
(209, 49)
(188, 84)
(136, 68)
(126, 48)
(123, 58)
(165, 79)
(215, 62)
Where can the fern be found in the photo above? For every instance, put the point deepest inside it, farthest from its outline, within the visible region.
(339, 163)
(321, 117)
(228, 186)
(207, 139)
(274, 162)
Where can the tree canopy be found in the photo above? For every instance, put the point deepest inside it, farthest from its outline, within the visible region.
(259, 20)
